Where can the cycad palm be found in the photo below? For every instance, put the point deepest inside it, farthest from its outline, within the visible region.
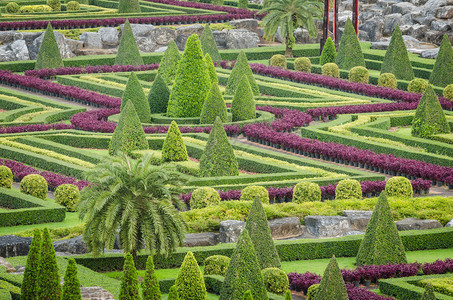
(136, 199)
(290, 15)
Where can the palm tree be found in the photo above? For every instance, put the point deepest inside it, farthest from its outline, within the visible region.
(290, 15)
(136, 199)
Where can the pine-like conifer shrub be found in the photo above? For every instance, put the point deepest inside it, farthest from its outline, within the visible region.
(249, 193)
(442, 74)
(306, 191)
(128, 6)
(71, 286)
(448, 92)
(429, 293)
(151, 290)
(211, 69)
(348, 189)
(216, 265)
(359, 74)
(29, 287)
(134, 93)
(49, 287)
(49, 56)
(417, 85)
(312, 291)
(67, 195)
(248, 295)
(278, 61)
(173, 293)
(6, 177)
(387, 80)
(349, 52)
(158, 96)
(35, 185)
(214, 106)
(400, 187)
(276, 281)
(208, 44)
(168, 66)
(190, 281)
(302, 64)
(331, 70)
(128, 53)
(129, 289)
(243, 105)
(329, 53)
(332, 285)
(243, 4)
(396, 59)
(241, 68)
(174, 148)
(203, 197)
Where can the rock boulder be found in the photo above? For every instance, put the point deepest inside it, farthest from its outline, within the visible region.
(11, 245)
(416, 224)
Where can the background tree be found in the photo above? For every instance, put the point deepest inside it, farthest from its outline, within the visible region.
(49, 287)
(71, 286)
(129, 289)
(29, 287)
(151, 289)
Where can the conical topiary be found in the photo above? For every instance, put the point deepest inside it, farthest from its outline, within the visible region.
(442, 74)
(128, 6)
(349, 52)
(49, 56)
(190, 281)
(248, 295)
(214, 106)
(243, 104)
(429, 293)
(49, 287)
(192, 82)
(173, 293)
(241, 68)
(211, 69)
(329, 53)
(129, 289)
(174, 148)
(243, 272)
(128, 53)
(332, 284)
(71, 286)
(382, 243)
(168, 66)
(151, 289)
(29, 287)
(208, 44)
(396, 59)
(158, 96)
(218, 157)
(134, 93)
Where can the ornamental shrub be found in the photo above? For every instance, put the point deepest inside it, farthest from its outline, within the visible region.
(151, 289)
(241, 68)
(12, 7)
(128, 53)
(158, 96)
(359, 74)
(244, 272)
(396, 59)
(302, 64)
(349, 52)
(49, 287)
(71, 286)
(275, 280)
(49, 56)
(387, 80)
(35, 8)
(400, 187)
(6, 177)
(382, 243)
(329, 53)
(218, 157)
(249, 193)
(73, 5)
(448, 92)
(134, 93)
(67, 195)
(332, 285)
(5, 294)
(54, 4)
(417, 85)
(330, 69)
(348, 189)
(442, 74)
(168, 66)
(243, 4)
(190, 281)
(128, 6)
(129, 289)
(29, 287)
(211, 69)
(306, 192)
(312, 291)
(174, 148)
(208, 44)
(214, 106)
(216, 265)
(288, 295)
(192, 83)
(429, 293)
(248, 295)
(278, 61)
(204, 197)
(243, 104)
(173, 293)
(35, 185)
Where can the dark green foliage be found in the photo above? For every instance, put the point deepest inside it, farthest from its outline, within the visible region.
(260, 234)
(288, 295)
(168, 66)
(49, 287)
(429, 117)
(151, 289)
(29, 287)
(192, 82)
(128, 6)
(442, 74)
(382, 243)
(349, 52)
(243, 4)
(396, 60)
(71, 286)
(128, 53)
(49, 55)
(6, 177)
(134, 93)
(214, 106)
(241, 68)
(174, 148)
(332, 284)
(429, 293)
(218, 158)
(244, 272)
(248, 295)
(158, 96)
(211, 69)
(329, 53)
(243, 104)
(129, 281)
(35, 185)
(190, 281)
(216, 265)
(208, 44)
(173, 294)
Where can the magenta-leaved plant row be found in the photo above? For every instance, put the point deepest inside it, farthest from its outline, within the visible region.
(35, 127)
(50, 73)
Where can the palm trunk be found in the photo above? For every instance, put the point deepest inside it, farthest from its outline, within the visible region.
(289, 52)
(134, 256)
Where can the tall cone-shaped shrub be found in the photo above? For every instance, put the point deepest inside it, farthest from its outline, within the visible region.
(71, 286)
(211, 69)
(49, 287)
(208, 44)
(134, 93)
(349, 52)
(158, 96)
(329, 53)
(129, 289)
(151, 289)
(128, 53)
(29, 287)
(241, 68)
(243, 104)
(173, 293)
(168, 66)
(174, 148)
(214, 106)
(49, 56)
(128, 6)
(396, 59)
(243, 272)
(218, 158)
(442, 74)
(429, 293)
(260, 234)
(382, 243)
(192, 82)
(332, 284)
(190, 281)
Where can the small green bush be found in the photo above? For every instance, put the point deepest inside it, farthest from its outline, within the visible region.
(243, 105)
(329, 53)
(399, 187)
(241, 68)
(349, 52)
(128, 53)
(306, 192)
(302, 64)
(204, 197)
(243, 4)
(279, 61)
(6, 177)
(332, 284)
(216, 265)
(12, 8)
(173, 294)
(429, 293)
(190, 281)
(35, 185)
(387, 80)
(442, 73)
(330, 69)
(73, 5)
(312, 291)
(129, 288)
(359, 74)
(448, 92)
(348, 189)
(134, 93)
(67, 195)
(150, 284)
(5, 294)
(250, 192)
(54, 4)
(417, 85)
(248, 295)
(288, 295)
(214, 106)
(49, 56)
(174, 148)
(158, 95)
(276, 280)
(71, 286)
(35, 8)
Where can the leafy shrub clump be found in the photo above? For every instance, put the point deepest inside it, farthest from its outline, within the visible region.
(204, 197)
(332, 285)
(35, 185)
(128, 53)
(387, 80)
(312, 291)
(158, 96)
(329, 53)
(243, 104)
(214, 106)
(168, 66)
(54, 4)
(442, 74)
(6, 177)
(448, 92)
(190, 281)
(279, 61)
(275, 280)
(241, 68)
(396, 59)
(417, 85)
(306, 191)
(348, 189)
(359, 74)
(174, 148)
(216, 265)
(208, 44)
(49, 56)
(67, 195)
(399, 187)
(302, 64)
(12, 7)
(349, 52)
(128, 6)
(250, 192)
(73, 5)
(330, 69)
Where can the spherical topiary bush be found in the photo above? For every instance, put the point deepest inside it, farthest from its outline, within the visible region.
(278, 60)
(348, 189)
(399, 187)
(216, 265)
(387, 80)
(306, 192)
(35, 185)
(302, 64)
(6, 177)
(448, 92)
(417, 85)
(359, 74)
(275, 280)
(72, 5)
(54, 4)
(312, 291)
(203, 197)
(12, 8)
(330, 69)
(67, 195)
(250, 192)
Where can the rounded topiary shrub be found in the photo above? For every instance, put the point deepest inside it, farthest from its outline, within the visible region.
(12, 7)
(306, 192)
(54, 4)
(312, 291)
(6, 177)
(417, 85)
(35, 185)
(278, 60)
(387, 80)
(359, 74)
(250, 192)
(302, 64)
(72, 5)
(330, 69)
(348, 189)
(275, 280)
(216, 265)
(67, 195)
(399, 187)
(203, 197)
(448, 92)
